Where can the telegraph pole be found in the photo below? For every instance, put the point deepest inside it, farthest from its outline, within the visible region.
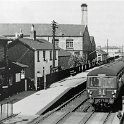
(54, 26)
(122, 50)
(6, 83)
(107, 46)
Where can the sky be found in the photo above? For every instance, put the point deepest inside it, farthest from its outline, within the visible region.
(105, 17)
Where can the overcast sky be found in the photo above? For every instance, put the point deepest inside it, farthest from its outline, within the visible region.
(105, 17)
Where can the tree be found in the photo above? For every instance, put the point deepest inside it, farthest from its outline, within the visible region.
(75, 60)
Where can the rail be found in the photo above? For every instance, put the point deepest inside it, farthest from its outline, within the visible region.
(68, 112)
(105, 121)
(42, 117)
(87, 117)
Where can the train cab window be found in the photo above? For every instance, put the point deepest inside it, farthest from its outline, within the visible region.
(94, 82)
(103, 82)
(107, 82)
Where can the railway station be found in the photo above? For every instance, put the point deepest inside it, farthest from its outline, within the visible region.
(61, 72)
(29, 109)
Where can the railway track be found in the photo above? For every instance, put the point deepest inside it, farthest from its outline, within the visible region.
(65, 110)
(78, 114)
(97, 118)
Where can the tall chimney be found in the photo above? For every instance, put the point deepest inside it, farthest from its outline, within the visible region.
(84, 20)
(33, 33)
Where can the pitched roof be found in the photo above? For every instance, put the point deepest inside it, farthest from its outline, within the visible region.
(42, 29)
(62, 53)
(38, 44)
(20, 64)
(12, 64)
(101, 51)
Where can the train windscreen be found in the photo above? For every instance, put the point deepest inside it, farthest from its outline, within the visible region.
(102, 82)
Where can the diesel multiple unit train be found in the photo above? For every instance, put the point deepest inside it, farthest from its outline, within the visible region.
(105, 86)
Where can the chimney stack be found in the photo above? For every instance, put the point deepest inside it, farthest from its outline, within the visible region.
(84, 20)
(33, 33)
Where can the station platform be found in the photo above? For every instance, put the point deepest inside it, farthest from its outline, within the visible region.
(30, 107)
(39, 101)
(43, 99)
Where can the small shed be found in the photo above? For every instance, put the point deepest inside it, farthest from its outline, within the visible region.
(12, 78)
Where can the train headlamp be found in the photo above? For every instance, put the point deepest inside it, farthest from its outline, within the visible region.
(114, 92)
(90, 92)
(113, 96)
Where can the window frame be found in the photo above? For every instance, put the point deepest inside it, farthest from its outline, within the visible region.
(38, 56)
(69, 43)
(44, 55)
(51, 55)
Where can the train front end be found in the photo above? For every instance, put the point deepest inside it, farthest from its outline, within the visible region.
(102, 89)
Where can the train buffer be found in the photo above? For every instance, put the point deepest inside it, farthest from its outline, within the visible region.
(72, 72)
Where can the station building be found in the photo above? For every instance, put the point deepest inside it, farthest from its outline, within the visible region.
(36, 53)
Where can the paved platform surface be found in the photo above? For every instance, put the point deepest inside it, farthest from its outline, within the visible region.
(30, 106)
(42, 99)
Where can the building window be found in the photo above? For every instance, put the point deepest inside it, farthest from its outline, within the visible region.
(43, 71)
(38, 56)
(44, 55)
(99, 59)
(50, 55)
(50, 68)
(55, 55)
(69, 43)
(56, 42)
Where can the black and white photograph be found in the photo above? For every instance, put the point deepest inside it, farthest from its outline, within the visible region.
(61, 61)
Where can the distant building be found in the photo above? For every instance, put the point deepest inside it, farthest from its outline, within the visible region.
(101, 55)
(92, 55)
(71, 37)
(113, 51)
(36, 53)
